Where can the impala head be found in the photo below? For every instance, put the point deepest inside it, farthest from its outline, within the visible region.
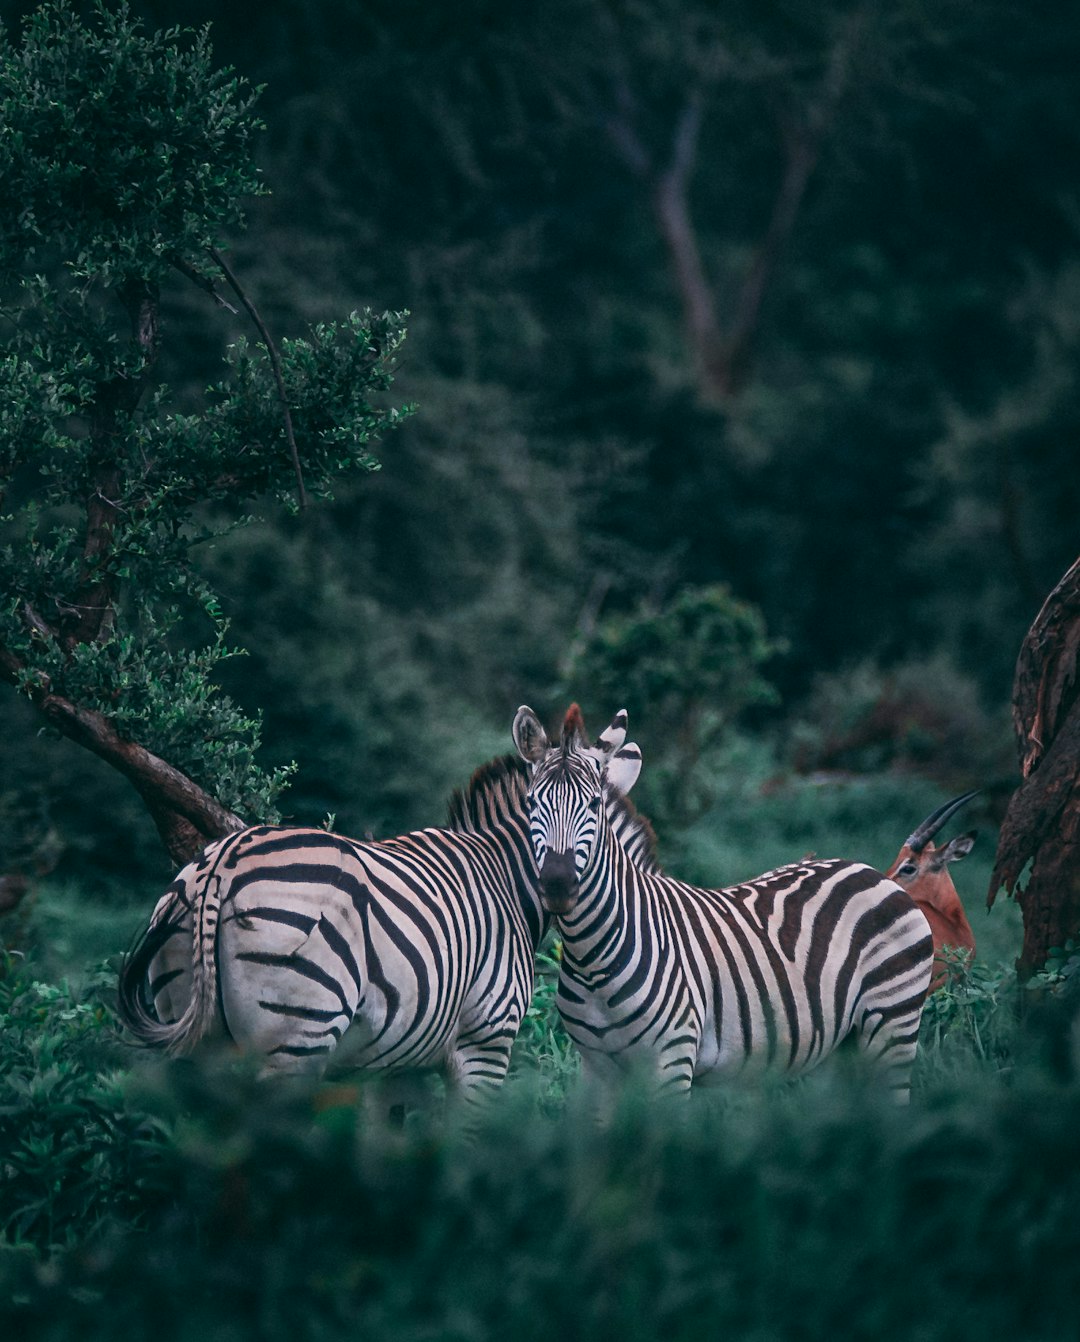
(570, 779)
(923, 870)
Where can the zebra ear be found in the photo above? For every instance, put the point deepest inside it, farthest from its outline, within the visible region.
(623, 768)
(613, 735)
(529, 736)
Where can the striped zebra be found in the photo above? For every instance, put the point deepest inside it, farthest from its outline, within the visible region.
(686, 983)
(421, 947)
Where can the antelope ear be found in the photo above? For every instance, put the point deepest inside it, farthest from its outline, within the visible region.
(623, 768)
(957, 848)
(613, 735)
(529, 736)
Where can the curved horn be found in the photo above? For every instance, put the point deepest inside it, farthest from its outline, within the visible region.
(920, 837)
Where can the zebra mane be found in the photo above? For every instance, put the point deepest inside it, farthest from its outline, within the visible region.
(633, 831)
(573, 731)
(496, 791)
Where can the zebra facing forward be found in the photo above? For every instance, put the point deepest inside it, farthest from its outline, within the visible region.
(686, 982)
(421, 946)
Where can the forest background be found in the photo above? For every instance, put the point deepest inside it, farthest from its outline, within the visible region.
(741, 341)
(707, 307)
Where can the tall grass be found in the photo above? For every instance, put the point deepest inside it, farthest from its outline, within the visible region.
(187, 1200)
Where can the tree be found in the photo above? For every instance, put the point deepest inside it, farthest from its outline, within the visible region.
(1040, 836)
(125, 158)
(690, 667)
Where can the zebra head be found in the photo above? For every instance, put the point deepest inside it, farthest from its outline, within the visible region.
(565, 801)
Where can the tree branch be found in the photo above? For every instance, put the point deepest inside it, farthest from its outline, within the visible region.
(623, 132)
(186, 816)
(207, 285)
(90, 612)
(672, 208)
(275, 363)
(803, 141)
(722, 354)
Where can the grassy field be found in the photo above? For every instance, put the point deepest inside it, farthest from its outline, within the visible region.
(187, 1200)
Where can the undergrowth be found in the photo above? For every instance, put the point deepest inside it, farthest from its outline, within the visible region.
(209, 1205)
(188, 1200)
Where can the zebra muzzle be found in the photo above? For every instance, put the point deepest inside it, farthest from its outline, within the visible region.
(558, 882)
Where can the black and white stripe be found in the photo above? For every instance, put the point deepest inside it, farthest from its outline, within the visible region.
(685, 982)
(421, 947)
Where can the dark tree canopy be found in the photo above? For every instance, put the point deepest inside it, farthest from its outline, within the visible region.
(126, 160)
(769, 298)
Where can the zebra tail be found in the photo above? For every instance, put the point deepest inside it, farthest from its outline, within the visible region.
(135, 1002)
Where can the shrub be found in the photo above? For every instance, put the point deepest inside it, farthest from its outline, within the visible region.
(688, 669)
(72, 1155)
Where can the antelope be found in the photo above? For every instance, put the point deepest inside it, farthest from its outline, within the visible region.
(923, 871)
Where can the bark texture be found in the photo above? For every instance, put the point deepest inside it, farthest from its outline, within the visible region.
(1038, 856)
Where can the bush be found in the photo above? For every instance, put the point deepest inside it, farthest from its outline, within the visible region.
(687, 670)
(815, 1211)
(922, 715)
(73, 1157)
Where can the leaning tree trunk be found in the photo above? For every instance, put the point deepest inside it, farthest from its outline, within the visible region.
(1040, 837)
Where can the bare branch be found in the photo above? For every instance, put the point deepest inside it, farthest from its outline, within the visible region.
(622, 130)
(672, 206)
(803, 139)
(722, 351)
(275, 363)
(207, 285)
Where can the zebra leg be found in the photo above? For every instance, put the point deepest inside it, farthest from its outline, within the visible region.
(389, 1097)
(602, 1078)
(476, 1068)
(474, 1071)
(889, 1039)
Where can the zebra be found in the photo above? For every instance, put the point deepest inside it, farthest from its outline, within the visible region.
(421, 947)
(686, 983)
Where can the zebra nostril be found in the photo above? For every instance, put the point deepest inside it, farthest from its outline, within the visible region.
(558, 881)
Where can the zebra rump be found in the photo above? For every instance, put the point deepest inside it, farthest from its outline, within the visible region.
(421, 946)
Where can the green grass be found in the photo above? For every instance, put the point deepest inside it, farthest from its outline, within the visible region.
(187, 1200)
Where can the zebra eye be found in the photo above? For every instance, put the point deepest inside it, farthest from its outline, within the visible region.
(594, 804)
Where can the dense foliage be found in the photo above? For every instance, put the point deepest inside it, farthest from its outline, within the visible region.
(126, 158)
(190, 1200)
(887, 476)
(743, 340)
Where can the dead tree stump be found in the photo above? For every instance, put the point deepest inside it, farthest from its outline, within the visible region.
(1038, 855)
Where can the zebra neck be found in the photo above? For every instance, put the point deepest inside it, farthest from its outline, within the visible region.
(514, 840)
(594, 935)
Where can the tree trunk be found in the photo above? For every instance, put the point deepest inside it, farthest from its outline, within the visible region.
(1040, 836)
